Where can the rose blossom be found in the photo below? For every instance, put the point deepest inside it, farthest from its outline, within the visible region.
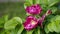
(30, 23)
(34, 9)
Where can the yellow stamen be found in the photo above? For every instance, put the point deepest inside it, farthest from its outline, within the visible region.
(33, 22)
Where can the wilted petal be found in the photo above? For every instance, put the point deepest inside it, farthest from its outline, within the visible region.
(41, 20)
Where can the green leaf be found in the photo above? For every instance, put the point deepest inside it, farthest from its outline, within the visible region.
(57, 17)
(44, 7)
(46, 29)
(45, 2)
(36, 1)
(29, 1)
(11, 24)
(54, 9)
(13, 31)
(52, 2)
(57, 24)
(30, 32)
(18, 19)
(6, 17)
(20, 30)
(2, 21)
(26, 4)
(54, 25)
(38, 30)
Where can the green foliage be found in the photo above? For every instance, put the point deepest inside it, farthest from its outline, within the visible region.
(54, 25)
(47, 2)
(52, 2)
(37, 31)
(26, 4)
(20, 30)
(30, 32)
(54, 9)
(30, 1)
(11, 24)
(3, 19)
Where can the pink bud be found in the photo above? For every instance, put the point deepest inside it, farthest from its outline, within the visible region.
(48, 12)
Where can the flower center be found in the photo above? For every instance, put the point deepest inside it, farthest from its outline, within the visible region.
(33, 22)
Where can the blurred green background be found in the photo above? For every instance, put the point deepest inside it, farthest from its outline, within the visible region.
(12, 9)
